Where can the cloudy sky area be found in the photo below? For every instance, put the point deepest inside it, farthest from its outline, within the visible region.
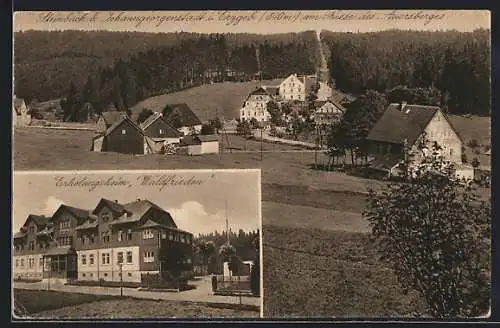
(197, 209)
(262, 22)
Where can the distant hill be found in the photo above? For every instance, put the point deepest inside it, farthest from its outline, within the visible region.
(227, 98)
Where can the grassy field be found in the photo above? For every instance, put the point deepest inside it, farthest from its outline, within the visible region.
(318, 273)
(303, 209)
(60, 305)
(227, 98)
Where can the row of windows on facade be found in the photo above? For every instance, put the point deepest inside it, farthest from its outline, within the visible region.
(254, 113)
(31, 263)
(106, 238)
(149, 257)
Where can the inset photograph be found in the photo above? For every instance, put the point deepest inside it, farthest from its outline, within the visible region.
(136, 244)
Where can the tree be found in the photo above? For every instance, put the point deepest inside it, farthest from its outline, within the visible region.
(216, 124)
(360, 117)
(433, 230)
(71, 103)
(207, 250)
(144, 115)
(175, 260)
(243, 128)
(167, 110)
(207, 129)
(274, 111)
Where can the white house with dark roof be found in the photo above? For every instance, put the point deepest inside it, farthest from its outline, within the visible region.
(298, 87)
(405, 125)
(255, 106)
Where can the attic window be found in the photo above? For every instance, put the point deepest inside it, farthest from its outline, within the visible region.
(161, 131)
(124, 131)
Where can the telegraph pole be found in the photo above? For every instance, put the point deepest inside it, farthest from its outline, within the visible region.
(261, 143)
(227, 221)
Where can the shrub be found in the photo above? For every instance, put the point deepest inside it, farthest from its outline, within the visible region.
(475, 162)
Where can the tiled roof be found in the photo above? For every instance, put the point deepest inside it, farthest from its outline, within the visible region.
(19, 234)
(62, 250)
(259, 91)
(189, 140)
(113, 206)
(119, 122)
(135, 211)
(40, 220)
(186, 115)
(208, 138)
(396, 125)
(170, 131)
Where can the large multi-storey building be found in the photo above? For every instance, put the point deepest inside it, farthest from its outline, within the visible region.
(255, 106)
(112, 242)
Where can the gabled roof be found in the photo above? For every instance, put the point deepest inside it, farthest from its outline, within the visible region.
(186, 115)
(170, 131)
(80, 214)
(113, 206)
(119, 122)
(19, 234)
(40, 220)
(259, 91)
(136, 211)
(150, 120)
(396, 125)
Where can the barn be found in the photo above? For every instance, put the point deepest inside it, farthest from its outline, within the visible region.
(124, 136)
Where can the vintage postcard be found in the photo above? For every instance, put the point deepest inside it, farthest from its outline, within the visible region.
(354, 117)
(136, 244)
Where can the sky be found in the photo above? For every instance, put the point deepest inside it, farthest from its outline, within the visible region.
(261, 22)
(195, 208)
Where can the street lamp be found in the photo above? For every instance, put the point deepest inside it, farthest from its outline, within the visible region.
(121, 278)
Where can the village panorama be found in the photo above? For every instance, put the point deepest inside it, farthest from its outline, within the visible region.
(352, 131)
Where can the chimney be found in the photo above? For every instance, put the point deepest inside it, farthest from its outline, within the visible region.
(138, 199)
(116, 201)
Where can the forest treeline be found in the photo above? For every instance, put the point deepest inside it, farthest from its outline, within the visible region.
(144, 64)
(456, 63)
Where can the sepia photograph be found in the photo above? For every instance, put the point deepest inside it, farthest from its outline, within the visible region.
(136, 244)
(371, 130)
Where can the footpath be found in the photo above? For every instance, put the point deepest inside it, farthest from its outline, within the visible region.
(202, 293)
